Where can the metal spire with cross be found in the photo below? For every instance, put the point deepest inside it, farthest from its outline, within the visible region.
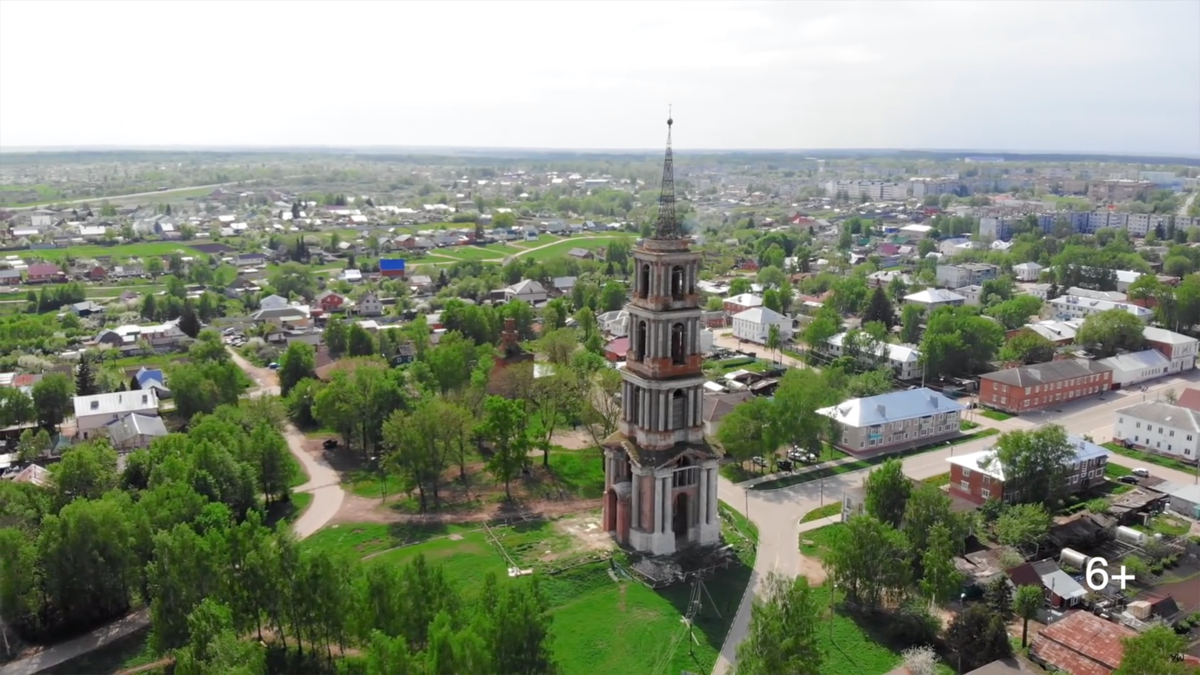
(668, 224)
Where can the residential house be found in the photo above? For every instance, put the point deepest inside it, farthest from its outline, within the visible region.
(288, 315)
(979, 476)
(351, 275)
(614, 324)
(904, 359)
(754, 325)
(899, 419)
(1072, 306)
(9, 276)
(966, 274)
(717, 406)
(97, 273)
(527, 290)
(1136, 367)
(563, 285)
(369, 304)
(420, 284)
(742, 302)
(1180, 349)
(1028, 271)
(1082, 643)
(616, 349)
(251, 260)
(932, 298)
(1056, 585)
(392, 268)
(94, 413)
(273, 302)
(1092, 294)
(1161, 428)
(581, 254)
(1043, 385)
(152, 378)
(972, 294)
(240, 286)
(43, 273)
(86, 308)
(330, 301)
(134, 431)
(1059, 332)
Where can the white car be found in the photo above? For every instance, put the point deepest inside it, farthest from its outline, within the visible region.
(1140, 472)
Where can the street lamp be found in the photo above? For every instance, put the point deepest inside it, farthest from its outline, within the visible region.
(962, 601)
(382, 477)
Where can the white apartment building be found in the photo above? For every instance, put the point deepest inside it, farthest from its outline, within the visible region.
(904, 359)
(1161, 428)
(1071, 306)
(1028, 271)
(920, 187)
(871, 189)
(94, 413)
(754, 325)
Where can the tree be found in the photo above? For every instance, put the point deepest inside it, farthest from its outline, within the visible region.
(558, 345)
(214, 647)
(86, 471)
(1015, 312)
(783, 630)
(33, 446)
(555, 313)
(1155, 651)
(504, 425)
(978, 636)
(294, 279)
(1026, 603)
(958, 341)
(359, 342)
(612, 296)
(739, 286)
(51, 397)
(866, 559)
(1036, 463)
(1028, 348)
(200, 387)
(273, 461)
(418, 448)
(296, 363)
(189, 320)
(997, 595)
(887, 491)
(16, 407)
(357, 399)
(85, 378)
(825, 324)
(880, 309)
(940, 579)
(1023, 526)
(335, 337)
(555, 400)
(920, 660)
(774, 341)
(745, 431)
(1104, 333)
(926, 508)
(910, 324)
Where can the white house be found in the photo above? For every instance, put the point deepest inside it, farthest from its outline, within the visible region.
(1161, 428)
(973, 294)
(1071, 306)
(615, 323)
(1137, 367)
(528, 290)
(369, 305)
(904, 359)
(273, 302)
(135, 431)
(932, 298)
(351, 275)
(753, 325)
(94, 413)
(896, 420)
(1028, 271)
(1181, 349)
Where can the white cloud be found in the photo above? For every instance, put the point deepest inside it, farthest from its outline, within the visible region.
(1121, 76)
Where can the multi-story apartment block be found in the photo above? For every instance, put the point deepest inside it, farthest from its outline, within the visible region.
(1161, 428)
(980, 476)
(870, 189)
(1083, 222)
(1043, 385)
(904, 359)
(1071, 306)
(919, 188)
(1120, 190)
(1180, 349)
(900, 419)
(966, 274)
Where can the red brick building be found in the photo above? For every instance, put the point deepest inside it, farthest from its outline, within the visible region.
(979, 476)
(742, 302)
(330, 301)
(1043, 385)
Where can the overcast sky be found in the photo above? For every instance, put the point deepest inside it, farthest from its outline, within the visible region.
(1011, 75)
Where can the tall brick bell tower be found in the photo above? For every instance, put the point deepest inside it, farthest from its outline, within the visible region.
(660, 475)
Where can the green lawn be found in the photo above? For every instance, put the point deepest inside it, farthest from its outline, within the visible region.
(562, 247)
(472, 253)
(830, 509)
(1115, 471)
(361, 539)
(995, 415)
(796, 479)
(966, 425)
(1166, 526)
(1150, 458)
(149, 248)
(938, 480)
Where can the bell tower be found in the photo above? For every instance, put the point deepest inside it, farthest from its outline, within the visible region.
(661, 448)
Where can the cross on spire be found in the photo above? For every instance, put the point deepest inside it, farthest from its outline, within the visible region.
(668, 224)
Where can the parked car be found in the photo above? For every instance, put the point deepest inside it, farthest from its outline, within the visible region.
(1131, 480)
(330, 443)
(784, 465)
(1140, 472)
(273, 366)
(801, 455)
(758, 461)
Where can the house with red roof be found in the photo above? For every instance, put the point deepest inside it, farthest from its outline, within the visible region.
(41, 273)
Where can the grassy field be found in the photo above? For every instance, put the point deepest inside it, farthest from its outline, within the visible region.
(938, 480)
(1150, 458)
(562, 247)
(826, 511)
(796, 479)
(149, 248)
(995, 415)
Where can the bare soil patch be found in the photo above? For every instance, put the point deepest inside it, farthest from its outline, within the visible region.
(573, 439)
(586, 530)
(812, 569)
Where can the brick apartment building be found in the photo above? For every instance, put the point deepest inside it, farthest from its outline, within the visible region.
(1043, 385)
(1180, 349)
(979, 476)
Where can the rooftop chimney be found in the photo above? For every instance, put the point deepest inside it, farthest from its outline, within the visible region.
(882, 410)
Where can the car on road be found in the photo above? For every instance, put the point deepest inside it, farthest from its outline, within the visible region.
(1131, 480)
(1141, 472)
(784, 465)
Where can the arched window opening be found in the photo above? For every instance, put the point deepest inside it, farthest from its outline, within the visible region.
(686, 473)
(679, 414)
(678, 340)
(677, 282)
(644, 284)
(641, 341)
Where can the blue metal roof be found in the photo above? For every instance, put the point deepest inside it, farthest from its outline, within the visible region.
(395, 264)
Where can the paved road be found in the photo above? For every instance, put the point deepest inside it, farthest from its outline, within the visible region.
(777, 513)
(327, 499)
(1187, 203)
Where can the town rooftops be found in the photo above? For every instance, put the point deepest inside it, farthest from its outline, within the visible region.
(116, 403)
(391, 264)
(1071, 301)
(892, 407)
(760, 315)
(1165, 336)
(1056, 331)
(1028, 267)
(1082, 644)
(133, 425)
(745, 300)
(1147, 359)
(988, 463)
(1042, 373)
(1161, 412)
(525, 286)
(895, 352)
(934, 296)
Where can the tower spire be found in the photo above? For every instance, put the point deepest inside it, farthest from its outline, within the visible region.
(668, 225)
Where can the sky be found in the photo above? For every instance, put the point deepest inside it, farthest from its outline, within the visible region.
(1106, 76)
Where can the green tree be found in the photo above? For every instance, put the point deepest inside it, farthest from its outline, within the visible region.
(294, 279)
(86, 471)
(336, 337)
(555, 313)
(1104, 333)
(1023, 526)
(1026, 603)
(940, 579)
(927, 507)
(359, 342)
(85, 378)
(887, 492)
(1015, 312)
(189, 320)
(1028, 348)
(612, 296)
(746, 431)
(215, 648)
(880, 309)
(774, 341)
(978, 636)
(1155, 651)
(1036, 463)
(272, 461)
(296, 363)
(910, 324)
(504, 426)
(16, 407)
(558, 345)
(200, 387)
(867, 560)
(52, 398)
(783, 630)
